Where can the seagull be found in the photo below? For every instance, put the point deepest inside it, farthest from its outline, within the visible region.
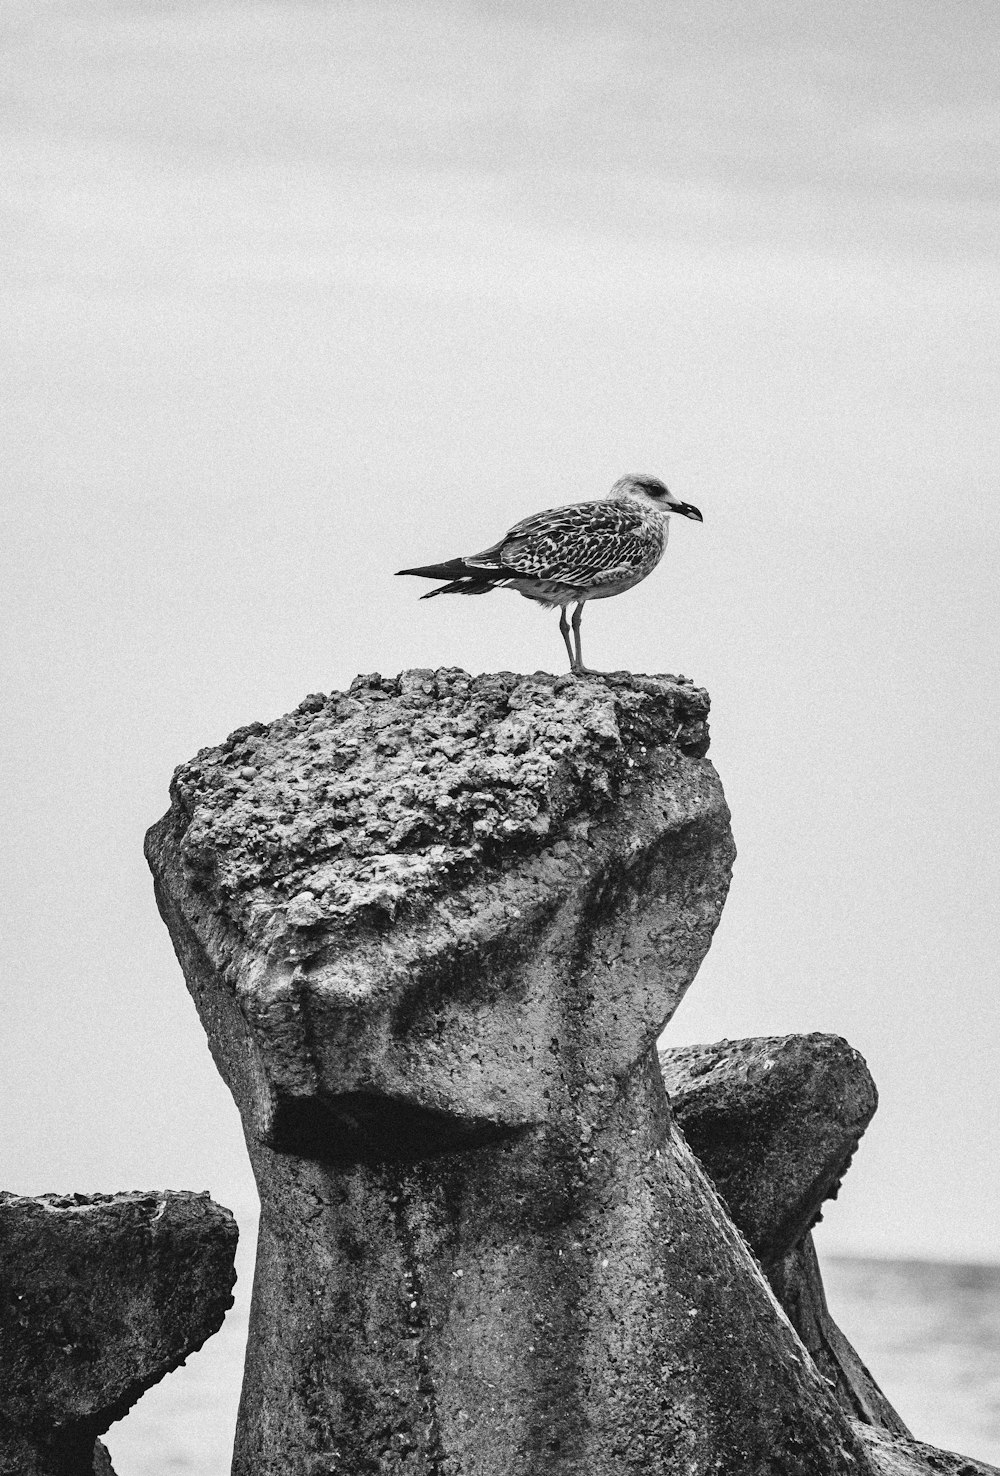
(569, 555)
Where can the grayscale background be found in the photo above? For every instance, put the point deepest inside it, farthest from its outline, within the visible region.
(296, 294)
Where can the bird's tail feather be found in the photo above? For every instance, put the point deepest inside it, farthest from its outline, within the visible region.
(462, 578)
(450, 569)
(468, 586)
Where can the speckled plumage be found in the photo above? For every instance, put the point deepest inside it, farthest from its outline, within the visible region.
(585, 550)
(569, 555)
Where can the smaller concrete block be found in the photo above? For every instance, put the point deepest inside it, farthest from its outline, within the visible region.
(774, 1120)
(101, 1296)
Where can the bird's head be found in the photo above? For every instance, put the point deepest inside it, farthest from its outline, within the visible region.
(651, 492)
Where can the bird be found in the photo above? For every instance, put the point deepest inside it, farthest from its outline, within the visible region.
(571, 554)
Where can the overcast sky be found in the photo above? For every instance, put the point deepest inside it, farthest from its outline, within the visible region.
(296, 294)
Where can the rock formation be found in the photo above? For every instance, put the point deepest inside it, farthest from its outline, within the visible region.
(101, 1296)
(775, 1121)
(433, 927)
(895, 1456)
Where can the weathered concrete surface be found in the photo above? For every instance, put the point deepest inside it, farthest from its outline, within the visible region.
(798, 1285)
(433, 927)
(102, 1460)
(20, 1455)
(572, 1302)
(379, 900)
(775, 1120)
(897, 1456)
(101, 1296)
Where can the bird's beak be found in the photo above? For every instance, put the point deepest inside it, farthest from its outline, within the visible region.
(687, 511)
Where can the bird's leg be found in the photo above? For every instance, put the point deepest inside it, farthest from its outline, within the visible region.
(577, 662)
(564, 632)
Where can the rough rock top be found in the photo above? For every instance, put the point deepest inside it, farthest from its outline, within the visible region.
(358, 800)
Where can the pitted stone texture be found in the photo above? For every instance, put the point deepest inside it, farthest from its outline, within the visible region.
(404, 909)
(101, 1296)
(365, 801)
(798, 1285)
(897, 1456)
(775, 1120)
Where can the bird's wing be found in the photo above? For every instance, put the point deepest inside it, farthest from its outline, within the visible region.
(582, 544)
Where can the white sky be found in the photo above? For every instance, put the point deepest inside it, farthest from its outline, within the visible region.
(297, 294)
